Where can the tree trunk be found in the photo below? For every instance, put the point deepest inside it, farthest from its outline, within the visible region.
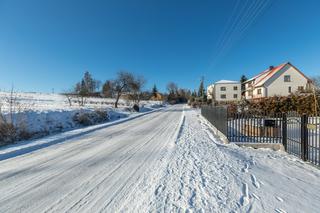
(117, 100)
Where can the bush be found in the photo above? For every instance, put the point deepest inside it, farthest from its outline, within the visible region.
(101, 115)
(90, 118)
(8, 133)
(136, 107)
(300, 103)
(82, 118)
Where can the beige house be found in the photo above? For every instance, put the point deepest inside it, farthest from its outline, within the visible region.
(281, 80)
(224, 91)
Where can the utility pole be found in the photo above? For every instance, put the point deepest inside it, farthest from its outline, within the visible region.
(315, 101)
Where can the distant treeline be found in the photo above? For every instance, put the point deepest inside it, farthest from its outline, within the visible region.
(125, 85)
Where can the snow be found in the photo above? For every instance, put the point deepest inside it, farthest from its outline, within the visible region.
(166, 161)
(205, 175)
(47, 113)
(227, 82)
(23, 147)
(42, 102)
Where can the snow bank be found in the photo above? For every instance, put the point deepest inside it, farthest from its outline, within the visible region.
(42, 114)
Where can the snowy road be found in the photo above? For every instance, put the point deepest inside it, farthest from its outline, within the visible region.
(167, 161)
(90, 173)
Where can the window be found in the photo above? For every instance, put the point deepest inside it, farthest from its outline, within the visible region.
(223, 88)
(235, 88)
(250, 93)
(300, 88)
(223, 96)
(235, 95)
(287, 78)
(289, 89)
(259, 91)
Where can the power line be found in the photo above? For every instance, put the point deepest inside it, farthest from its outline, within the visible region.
(237, 26)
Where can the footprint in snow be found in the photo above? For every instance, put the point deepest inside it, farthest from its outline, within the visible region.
(159, 189)
(279, 199)
(254, 181)
(245, 169)
(244, 200)
(255, 196)
(251, 208)
(253, 162)
(278, 210)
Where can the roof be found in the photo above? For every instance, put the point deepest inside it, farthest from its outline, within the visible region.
(227, 82)
(265, 75)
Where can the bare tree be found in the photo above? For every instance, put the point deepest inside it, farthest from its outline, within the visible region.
(86, 87)
(82, 92)
(316, 82)
(12, 125)
(172, 87)
(69, 96)
(122, 84)
(316, 92)
(107, 89)
(173, 92)
(136, 87)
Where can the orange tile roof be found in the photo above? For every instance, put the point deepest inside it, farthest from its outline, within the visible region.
(268, 74)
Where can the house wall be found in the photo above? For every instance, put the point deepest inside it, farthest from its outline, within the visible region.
(262, 94)
(277, 86)
(229, 92)
(255, 92)
(248, 86)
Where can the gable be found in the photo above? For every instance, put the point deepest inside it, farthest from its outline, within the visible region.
(288, 69)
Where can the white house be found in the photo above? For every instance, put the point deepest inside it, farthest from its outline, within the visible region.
(224, 90)
(281, 80)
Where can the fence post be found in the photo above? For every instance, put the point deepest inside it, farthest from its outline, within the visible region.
(304, 137)
(284, 130)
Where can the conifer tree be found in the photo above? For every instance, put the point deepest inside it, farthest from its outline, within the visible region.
(154, 91)
(201, 89)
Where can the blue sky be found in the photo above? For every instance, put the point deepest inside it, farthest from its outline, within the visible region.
(49, 44)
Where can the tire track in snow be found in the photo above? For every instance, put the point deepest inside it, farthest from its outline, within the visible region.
(119, 166)
(146, 187)
(82, 145)
(93, 160)
(131, 175)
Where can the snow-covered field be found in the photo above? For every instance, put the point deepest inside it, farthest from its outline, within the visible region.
(42, 102)
(166, 161)
(46, 113)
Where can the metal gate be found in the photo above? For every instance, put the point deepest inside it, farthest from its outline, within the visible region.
(301, 136)
(292, 139)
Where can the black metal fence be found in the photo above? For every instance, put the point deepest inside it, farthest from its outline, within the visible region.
(217, 116)
(254, 128)
(300, 134)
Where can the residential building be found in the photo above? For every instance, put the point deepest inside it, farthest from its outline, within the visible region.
(224, 91)
(281, 80)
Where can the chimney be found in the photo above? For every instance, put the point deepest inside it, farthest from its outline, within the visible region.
(271, 67)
